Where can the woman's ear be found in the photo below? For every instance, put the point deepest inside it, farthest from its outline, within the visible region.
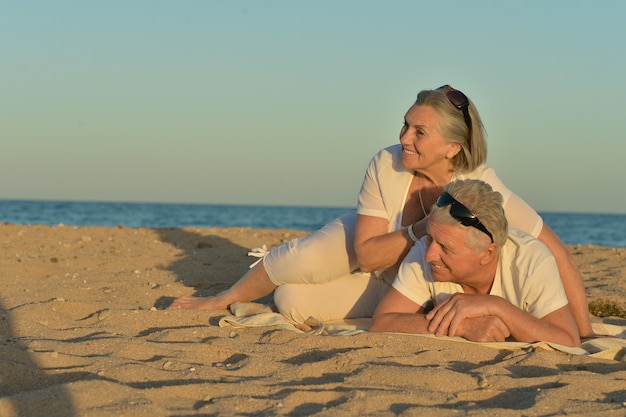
(453, 150)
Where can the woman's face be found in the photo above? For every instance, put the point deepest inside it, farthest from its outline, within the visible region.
(423, 147)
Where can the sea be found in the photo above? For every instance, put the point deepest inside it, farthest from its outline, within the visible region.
(572, 228)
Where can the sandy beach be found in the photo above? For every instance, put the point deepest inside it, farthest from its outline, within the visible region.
(85, 332)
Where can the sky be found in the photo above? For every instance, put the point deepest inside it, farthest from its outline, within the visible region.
(285, 102)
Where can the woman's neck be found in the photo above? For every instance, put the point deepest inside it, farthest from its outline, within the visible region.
(439, 180)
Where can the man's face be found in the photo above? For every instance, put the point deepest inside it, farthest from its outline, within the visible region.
(450, 258)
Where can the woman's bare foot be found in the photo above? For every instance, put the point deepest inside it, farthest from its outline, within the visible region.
(252, 286)
(198, 303)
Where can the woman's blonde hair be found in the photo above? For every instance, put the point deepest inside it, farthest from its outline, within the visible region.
(454, 128)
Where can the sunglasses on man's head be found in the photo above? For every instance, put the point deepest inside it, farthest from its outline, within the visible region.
(461, 213)
(461, 102)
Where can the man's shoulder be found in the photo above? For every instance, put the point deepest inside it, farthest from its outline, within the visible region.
(525, 253)
(530, 276)
(525, 241)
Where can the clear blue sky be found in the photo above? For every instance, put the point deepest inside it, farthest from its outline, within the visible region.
(284, 102)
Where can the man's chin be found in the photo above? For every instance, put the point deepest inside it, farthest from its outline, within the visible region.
(440, 275)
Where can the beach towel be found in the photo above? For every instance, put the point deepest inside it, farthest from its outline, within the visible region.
(259, 315)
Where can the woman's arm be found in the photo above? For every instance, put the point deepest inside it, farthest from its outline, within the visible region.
(571, 278)
(376, 249)
(521, 216)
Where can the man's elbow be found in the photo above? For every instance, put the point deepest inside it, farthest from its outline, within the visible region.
(572, 340)
(376, 325)
(565, 337)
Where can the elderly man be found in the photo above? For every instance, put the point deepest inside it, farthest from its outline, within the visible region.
(471, 276)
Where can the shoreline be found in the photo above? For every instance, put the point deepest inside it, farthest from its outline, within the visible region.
(84, 333)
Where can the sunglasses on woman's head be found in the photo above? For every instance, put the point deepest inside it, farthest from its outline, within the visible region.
(461, 102)
(461, 213)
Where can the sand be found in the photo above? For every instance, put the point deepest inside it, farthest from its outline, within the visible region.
(84, 331)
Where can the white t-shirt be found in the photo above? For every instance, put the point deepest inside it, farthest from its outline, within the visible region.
(387, 182)
(527, 276)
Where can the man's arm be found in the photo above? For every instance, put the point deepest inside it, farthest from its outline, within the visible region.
(397, 313)
(449, 317)
(484, 329)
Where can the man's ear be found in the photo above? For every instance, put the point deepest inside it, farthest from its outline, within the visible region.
(489, 253)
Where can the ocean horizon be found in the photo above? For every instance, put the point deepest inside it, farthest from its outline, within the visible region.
(573, 228)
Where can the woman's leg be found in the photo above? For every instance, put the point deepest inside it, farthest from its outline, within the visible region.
(320, 257)
(352, 296)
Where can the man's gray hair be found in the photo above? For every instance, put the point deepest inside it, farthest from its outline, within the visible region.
(486, 204)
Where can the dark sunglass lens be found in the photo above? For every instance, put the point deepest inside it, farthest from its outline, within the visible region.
(457, 210)
(458, 99)
(462, 213)
(445, 199)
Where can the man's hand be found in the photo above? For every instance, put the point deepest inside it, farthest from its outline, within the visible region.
(469, 316)
(483, 329)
